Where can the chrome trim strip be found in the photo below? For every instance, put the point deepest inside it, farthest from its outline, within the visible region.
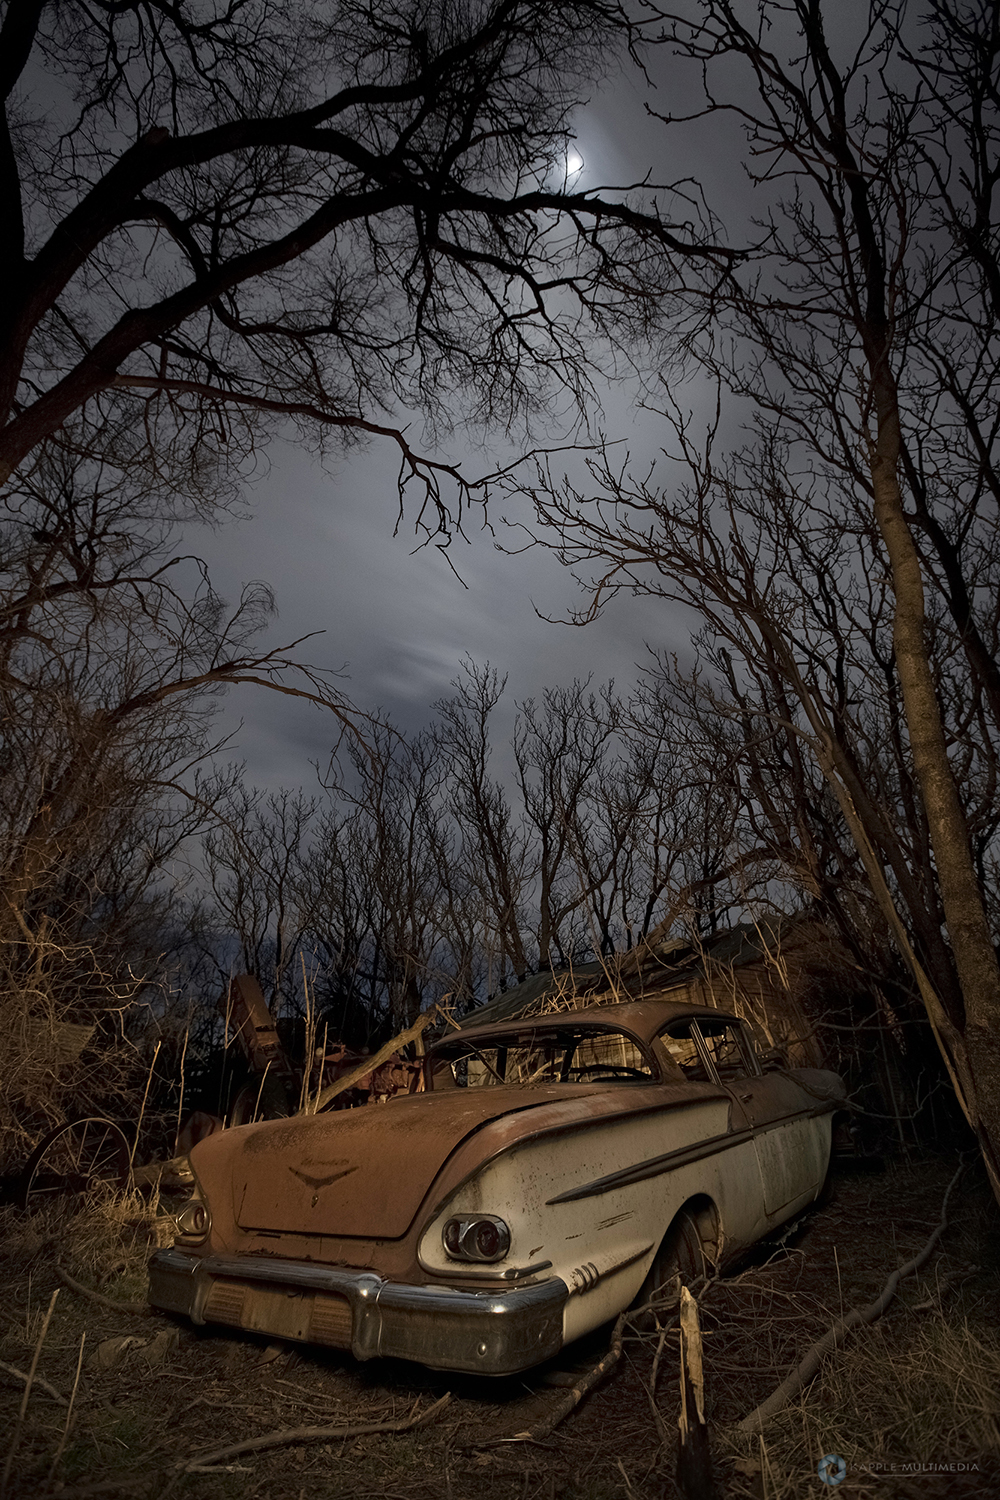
(513, 1273)
(589, 1275)
(654, 1166)
(495, 1331)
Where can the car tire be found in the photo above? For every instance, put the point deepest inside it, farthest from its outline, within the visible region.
(687, 1254)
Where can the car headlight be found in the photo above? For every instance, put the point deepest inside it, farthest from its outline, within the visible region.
(194, 1221)
(481, 1237)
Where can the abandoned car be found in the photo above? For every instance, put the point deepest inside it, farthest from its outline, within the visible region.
(550, 1173)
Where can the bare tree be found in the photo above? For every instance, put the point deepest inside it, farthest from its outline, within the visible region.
(561, 753)
(253, 860)
(401, 851)
(494, 849)
(112, 646)
(860, 333)
(222, 217)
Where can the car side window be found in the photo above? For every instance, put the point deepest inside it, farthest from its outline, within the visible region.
(727, 1048)
(683, 1049)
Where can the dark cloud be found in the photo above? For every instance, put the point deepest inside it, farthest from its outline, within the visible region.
(399, 621)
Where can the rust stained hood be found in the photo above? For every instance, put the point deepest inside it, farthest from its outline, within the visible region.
(363, 1171)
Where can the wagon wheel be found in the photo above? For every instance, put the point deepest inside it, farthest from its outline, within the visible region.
(79, 1157)
(254, 1102)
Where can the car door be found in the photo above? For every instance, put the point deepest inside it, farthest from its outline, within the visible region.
(787, 1135)
(735, 1175)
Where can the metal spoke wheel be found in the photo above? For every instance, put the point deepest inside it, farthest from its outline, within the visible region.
(260, 1101)
(83, 1157)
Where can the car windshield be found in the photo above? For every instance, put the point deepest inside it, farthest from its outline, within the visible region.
(540, 1056)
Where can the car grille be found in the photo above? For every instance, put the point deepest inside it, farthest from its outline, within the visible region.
(331, 1322)
(315, 1318)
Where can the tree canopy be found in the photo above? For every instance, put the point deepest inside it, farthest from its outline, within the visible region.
(221, 215)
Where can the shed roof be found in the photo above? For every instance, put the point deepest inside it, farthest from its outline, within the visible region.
(657, 971)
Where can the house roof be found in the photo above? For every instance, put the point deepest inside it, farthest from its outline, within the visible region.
(659, 970)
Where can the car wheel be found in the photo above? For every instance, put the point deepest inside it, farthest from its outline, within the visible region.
(688, 1253)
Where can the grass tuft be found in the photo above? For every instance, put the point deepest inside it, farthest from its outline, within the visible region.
(890, 1400)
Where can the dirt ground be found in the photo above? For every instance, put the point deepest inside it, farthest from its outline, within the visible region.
(912, 1403)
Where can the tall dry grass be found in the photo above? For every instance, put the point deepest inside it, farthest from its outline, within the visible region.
(890, 1404)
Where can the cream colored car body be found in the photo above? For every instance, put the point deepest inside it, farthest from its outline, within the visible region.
(332, 1228)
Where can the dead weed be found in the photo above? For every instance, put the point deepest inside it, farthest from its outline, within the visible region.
(918, 1388)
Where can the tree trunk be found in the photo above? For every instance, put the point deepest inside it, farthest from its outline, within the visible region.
(965, 915)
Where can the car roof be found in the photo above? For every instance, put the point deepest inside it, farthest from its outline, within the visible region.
(643, 1019)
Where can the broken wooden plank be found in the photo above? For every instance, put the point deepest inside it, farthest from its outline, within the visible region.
(369, 1064)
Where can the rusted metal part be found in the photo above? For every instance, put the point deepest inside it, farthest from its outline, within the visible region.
(339, 1077)
(395, 1076)
(244, 1008)
(386, 1054)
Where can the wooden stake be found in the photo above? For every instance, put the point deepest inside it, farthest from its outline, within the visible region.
(263, 1080)
(322, 1064)
(180, 1100)
(310, 1041)
(69, 1413)
(15, 1441)
(149, 1080)
(694, 1461)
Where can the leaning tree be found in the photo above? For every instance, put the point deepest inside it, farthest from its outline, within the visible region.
(844, 542)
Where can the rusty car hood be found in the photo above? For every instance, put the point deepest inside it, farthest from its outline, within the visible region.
(358, 1172)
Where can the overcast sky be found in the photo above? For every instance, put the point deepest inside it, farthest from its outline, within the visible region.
(399, 621)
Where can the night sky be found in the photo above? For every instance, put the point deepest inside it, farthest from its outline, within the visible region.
(398, 620)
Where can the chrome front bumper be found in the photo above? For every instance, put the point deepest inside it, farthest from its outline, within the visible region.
(496, 1332)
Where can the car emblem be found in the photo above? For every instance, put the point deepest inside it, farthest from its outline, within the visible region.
(320, 1182)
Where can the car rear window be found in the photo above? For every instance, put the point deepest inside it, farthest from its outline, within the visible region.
(541, 1057)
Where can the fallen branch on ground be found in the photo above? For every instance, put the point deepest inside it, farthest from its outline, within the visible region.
(574, 1395)
(43, 1385)
(661, 1426)
(15, 1441)
(310, 1435)
(134, 1309)
(809, 1365)
(104, 1487)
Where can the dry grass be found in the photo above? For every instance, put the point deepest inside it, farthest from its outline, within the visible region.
(918, 1387)
(894, 1399)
